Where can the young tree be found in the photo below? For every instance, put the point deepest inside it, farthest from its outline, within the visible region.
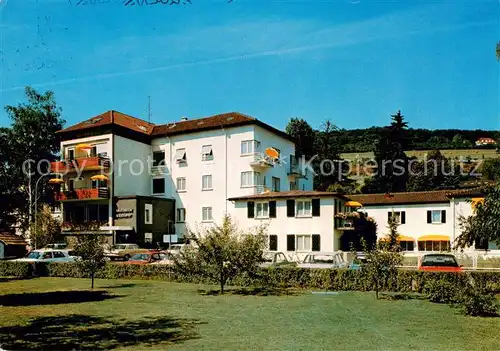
(47, 228)
(222, 252)
(484, 224)
(90, 249)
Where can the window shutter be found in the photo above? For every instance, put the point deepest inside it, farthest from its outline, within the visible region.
(315, 207)
(443, 216)
(272, 209)
(250, 209)
(273, 243)
(429, 216)
(290, 208)
(290, 242)
(403, 217)
(316, 242)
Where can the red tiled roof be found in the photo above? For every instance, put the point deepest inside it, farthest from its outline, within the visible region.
(12, 239)
(231, 119)
(113, 117)
(288, 194)
(419, 197)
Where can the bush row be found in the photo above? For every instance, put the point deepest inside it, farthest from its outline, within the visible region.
(302, 278)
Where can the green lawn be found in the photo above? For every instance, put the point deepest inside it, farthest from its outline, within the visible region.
(157, 315)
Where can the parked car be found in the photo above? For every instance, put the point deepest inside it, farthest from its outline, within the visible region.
(123, 251)
(358, 261)
(176, 248)
(323, 260)
(165, 259)
(276, 259)
(144, 258)
(439, 263)
(59, 246)
(47, 255)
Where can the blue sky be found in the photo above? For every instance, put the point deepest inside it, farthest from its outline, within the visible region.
(352, 61)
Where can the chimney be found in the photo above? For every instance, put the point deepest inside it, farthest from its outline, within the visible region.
(184, 118)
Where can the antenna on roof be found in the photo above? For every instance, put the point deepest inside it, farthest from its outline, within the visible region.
(149, 108)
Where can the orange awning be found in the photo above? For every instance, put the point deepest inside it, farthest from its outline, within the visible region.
(434, 237)
(353, 204)
(84, 146)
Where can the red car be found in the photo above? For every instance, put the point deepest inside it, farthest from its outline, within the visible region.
(439, 263)
(144, 258)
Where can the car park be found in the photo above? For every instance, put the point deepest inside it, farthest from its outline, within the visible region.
(123, 251)
(177, 248)
(144, 258)
(47, 255)
(323, 260)
(275, 259)
(439, 263)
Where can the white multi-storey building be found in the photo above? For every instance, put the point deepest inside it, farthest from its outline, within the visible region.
(195, 164)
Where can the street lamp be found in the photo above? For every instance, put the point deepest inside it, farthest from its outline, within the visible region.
(51, 181)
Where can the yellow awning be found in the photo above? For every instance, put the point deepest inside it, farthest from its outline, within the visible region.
(434, 237)
(84, 146)
(400, 238)
(99, 177)
(56, 181)
(353, 204)
(476, 200)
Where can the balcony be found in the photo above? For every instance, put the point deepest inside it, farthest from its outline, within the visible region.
(94, 163)
(83, 194)
(260, 161)
(344, 224)
(294, 172)
(158, 170)
(259, 189)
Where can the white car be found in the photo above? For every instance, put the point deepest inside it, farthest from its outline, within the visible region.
(176, 248)
(323, 260)
(47, 255)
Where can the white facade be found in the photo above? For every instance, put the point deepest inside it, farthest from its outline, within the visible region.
(293, 233)
(201, 185)
(416, 222)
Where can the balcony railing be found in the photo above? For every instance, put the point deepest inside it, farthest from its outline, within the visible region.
(259, 189)
(261, 161)
(82, 163)
(83, 194)
(344, 224)
(158, 170)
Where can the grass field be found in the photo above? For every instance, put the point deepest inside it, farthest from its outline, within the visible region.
(139, 315)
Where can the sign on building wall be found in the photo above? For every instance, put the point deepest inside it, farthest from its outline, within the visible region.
(124, 213)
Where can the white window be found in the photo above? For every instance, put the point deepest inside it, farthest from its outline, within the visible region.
(250, 147)
(246, 179)
(148, 214)
(206, 214)
(180, 155)
(206, 182)
(436, 216)
(262, 210)
(258, 180)
(304, 208)
(303, 242)
(181, 184)
(397, 216)
(181, 215)
(207, 153)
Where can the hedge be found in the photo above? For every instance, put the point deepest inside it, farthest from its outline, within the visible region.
(302, 278)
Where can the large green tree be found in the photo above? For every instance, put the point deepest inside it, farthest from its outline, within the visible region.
(31, 136)
(490, 169)
(434, 173)
(304, 136)
(391, 160)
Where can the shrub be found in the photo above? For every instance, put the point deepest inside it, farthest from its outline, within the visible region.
(441, 291)
(474, 302)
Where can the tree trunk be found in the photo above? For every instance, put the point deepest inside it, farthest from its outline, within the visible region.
(221, 281)
(92, 277)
